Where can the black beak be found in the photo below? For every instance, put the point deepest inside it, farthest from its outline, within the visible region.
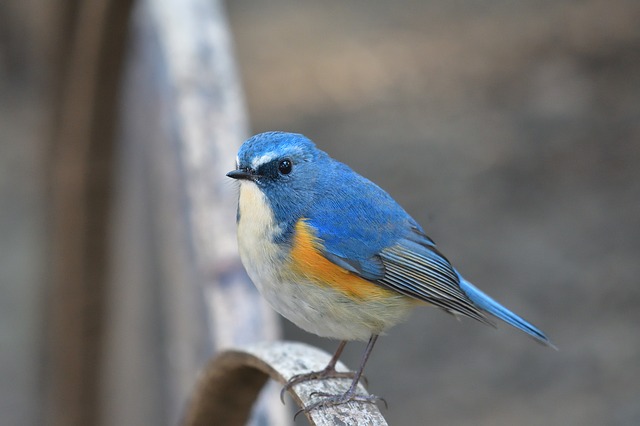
(240, 174)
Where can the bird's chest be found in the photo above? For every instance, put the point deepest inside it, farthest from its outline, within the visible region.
(314, 299)
(261, 256)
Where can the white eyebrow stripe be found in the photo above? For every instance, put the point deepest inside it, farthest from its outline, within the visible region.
(263, 159)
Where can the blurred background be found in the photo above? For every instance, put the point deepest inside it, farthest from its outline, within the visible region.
(509, 130)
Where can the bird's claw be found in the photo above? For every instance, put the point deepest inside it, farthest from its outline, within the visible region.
(331, 400)
(317, 375)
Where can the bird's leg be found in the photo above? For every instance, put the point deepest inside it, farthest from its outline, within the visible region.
(350, 394)
(329, 372)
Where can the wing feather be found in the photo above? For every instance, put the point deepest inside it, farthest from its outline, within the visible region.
(415, 268)
(421, 272)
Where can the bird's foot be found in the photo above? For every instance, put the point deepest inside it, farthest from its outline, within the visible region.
(327, 373)
(330, 400)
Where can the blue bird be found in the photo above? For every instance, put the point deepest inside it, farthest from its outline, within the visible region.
(336, 255)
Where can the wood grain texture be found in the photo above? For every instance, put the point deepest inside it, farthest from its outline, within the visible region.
(231, 382)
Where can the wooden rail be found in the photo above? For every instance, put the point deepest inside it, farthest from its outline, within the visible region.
(229, 385)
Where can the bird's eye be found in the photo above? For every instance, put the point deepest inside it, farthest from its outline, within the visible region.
(285, 166)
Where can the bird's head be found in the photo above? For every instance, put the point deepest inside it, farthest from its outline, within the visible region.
(285, 167)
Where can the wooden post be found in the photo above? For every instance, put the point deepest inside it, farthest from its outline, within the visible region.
(90, 57)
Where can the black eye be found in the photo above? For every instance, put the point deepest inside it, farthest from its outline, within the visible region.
(285, 166)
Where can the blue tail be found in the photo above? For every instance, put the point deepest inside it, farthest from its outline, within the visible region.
(486, 303)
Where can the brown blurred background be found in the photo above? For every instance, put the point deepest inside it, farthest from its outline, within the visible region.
(509, 130)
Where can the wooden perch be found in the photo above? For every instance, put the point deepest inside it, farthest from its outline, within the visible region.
(231, 382)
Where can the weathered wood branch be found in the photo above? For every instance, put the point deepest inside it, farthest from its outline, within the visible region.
(229, 385)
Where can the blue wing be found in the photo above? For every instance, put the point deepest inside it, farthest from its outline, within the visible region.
(365, 231)
(418, 270)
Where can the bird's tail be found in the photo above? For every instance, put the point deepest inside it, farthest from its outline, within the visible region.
(486, 303)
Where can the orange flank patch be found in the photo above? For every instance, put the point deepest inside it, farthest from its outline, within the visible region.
(309, 262)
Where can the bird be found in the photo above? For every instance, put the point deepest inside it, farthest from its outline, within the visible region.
(337, 256)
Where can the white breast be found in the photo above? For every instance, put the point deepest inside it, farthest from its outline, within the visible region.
(256, 229)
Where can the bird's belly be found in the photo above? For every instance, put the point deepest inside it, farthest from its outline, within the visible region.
(330, 313)
(320, 309)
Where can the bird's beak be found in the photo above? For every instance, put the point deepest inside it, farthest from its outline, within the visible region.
(240, 174)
